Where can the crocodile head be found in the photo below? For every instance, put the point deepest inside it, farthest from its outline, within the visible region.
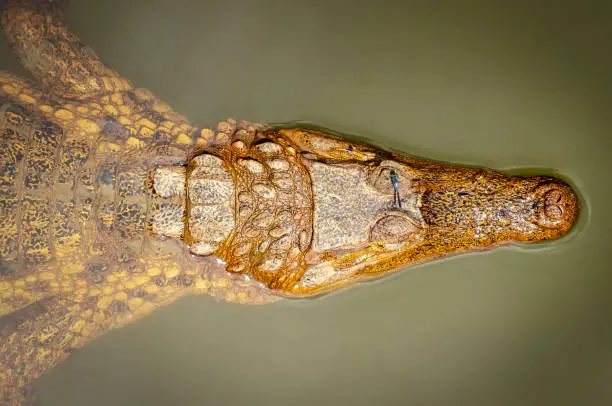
(305, 213)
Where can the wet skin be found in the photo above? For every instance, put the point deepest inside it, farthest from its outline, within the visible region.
(338, 219)
(113, 205)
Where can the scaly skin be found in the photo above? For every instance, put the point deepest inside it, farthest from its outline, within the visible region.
(113, 205)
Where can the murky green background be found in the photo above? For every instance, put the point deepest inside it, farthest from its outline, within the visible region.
(496, 83)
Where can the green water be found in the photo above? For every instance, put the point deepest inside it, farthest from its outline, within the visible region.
(502, 84)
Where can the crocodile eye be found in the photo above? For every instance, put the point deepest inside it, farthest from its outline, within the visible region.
(380, 178)
(393, 227)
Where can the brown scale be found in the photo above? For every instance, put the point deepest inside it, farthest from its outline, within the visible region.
(274, 213)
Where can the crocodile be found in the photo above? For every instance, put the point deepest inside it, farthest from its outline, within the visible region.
(113, 205)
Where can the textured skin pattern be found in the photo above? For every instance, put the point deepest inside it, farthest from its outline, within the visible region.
(112, 205)
(55, 55)
(78, 255)
(274, 213)
(211, 204)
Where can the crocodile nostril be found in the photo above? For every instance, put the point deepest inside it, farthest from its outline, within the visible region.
(556, 205)
(553, 204)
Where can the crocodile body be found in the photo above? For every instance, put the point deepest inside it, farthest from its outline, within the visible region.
(112, 205)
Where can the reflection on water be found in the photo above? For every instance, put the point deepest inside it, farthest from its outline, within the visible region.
(498, 85)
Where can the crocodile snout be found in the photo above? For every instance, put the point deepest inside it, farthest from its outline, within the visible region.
(488, 208)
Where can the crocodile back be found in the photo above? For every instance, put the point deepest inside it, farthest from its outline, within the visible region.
(73, 210)
(39, 212)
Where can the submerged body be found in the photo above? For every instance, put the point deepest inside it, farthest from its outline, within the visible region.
(113, 205)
